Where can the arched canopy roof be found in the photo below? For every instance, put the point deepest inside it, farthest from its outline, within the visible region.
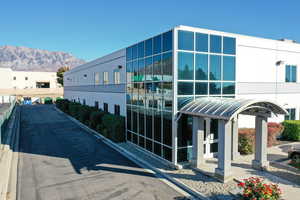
(228, 108)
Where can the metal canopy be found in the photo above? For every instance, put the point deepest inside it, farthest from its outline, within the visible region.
(228, 108)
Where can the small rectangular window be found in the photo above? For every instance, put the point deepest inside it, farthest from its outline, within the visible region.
(201, 42)
(117, 110)
(26, 78)
(215, 44)
(290, 73)
(96, 104)
(105, 107)
(105, 78)
(15, 78)
(157, 44)
(117, 77)
(291, 115)
(97, 78)
(228, 45)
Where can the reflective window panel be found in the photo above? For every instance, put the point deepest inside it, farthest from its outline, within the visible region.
(229, 68)
(167, 67)
(229, 45)
(186, 40)
(167, 128)
(148, 47)
(168, 41)
(215, 67)
(228, 88)
(214, 88)
(185, 88)
(185, 66)
(157, 44)
(201, 67)
(157, 68)
(215, 44)
(141, 50)
(201, 88)
(201, 42)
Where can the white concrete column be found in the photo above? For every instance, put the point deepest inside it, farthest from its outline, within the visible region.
(223, 172)
(198, 141)
(261, 138)
(235, 139)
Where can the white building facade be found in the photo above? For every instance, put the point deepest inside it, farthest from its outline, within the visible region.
(26, 79)
(152, 80)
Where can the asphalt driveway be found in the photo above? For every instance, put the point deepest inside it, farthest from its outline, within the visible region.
(59, 160)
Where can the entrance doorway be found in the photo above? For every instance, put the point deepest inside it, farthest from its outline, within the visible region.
(211, 138)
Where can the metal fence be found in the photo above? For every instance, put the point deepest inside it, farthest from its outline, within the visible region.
(7, 104)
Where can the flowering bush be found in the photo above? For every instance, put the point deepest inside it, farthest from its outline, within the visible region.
(255, 189)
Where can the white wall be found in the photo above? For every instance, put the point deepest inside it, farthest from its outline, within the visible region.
(77, 85)
(5, 78)
(258, 77)
(33, 77)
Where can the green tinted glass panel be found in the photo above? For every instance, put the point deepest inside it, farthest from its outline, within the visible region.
(229, 68)
(201, 67)
(185, 88)
(185, 66)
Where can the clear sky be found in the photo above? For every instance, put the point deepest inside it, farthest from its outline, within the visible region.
(89, 29)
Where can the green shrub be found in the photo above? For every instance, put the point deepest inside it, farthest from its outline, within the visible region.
(95, 119)
(246, 140)
(291, 130)
(109, 125)
(114, 127)
(63, 105)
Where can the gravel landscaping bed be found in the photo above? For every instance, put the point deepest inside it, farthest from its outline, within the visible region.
(205, 185)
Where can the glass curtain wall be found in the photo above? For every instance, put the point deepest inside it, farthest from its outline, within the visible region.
(149, 66)
(206, 67)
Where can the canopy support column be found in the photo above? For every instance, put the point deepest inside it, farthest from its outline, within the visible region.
(235, 139)
(223, 172)
(198, 140)
(261, 136)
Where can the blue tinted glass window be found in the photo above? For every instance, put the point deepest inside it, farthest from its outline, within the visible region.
(141, 73)
(228, 45)
(135, 69)
(128, 53)
(228, 68)
(294, 74)
(167, 66)
(201, 88)
(185, 88)
(215, 67)
(135, 51)
(201, 42)
(157, 68)
(215, 44)
(186, 40)
(287, 73)
(167, 95)
(228, 88)
(214, 88)
(168, 41)
(141, 50)
(148, 69)
(148, 47)
(201, 67)
(185, 66)
(157, 44)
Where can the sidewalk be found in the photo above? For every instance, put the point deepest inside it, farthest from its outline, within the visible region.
(209, 186)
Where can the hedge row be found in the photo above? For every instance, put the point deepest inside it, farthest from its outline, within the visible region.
(109, 125)
(291, 130)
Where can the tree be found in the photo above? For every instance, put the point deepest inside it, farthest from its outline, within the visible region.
(60, 74)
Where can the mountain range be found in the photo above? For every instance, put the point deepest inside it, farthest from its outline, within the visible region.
(29, 59)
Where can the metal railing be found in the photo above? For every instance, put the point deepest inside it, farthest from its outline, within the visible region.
(7, 104)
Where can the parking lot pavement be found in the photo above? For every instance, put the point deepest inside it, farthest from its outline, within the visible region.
(59, 160)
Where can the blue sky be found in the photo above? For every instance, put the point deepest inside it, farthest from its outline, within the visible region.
(92, 28)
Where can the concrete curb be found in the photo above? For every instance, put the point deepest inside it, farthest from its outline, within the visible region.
(175, 184)
(8, 157)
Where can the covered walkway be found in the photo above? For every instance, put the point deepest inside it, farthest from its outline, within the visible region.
(226, 111)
